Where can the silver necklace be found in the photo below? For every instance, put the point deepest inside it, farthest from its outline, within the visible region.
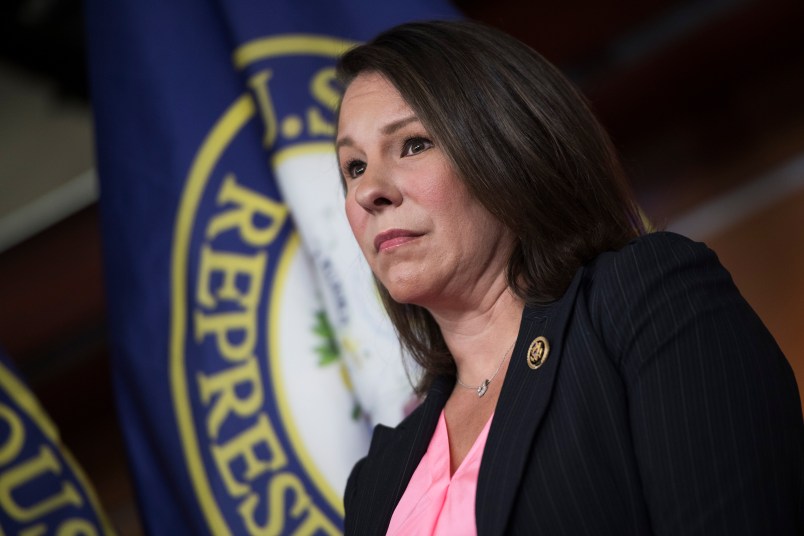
(483, 387)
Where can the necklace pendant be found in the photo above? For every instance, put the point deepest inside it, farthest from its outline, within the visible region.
(482, 388)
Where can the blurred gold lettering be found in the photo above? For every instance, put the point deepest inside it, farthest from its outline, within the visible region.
(327, 95)
(35, 530)
(225, 325)
(76, 527)
(224, 384)
(259, 84)
(16, 435)
(275, 523)
(230, 266)
(24, 472)
(248, 206)
(242, 447)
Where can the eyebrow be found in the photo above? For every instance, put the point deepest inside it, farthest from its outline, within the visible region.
(387, 130)
(396, 125)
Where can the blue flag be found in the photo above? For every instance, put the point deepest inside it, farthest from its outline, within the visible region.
(42, 488)
(244, 360)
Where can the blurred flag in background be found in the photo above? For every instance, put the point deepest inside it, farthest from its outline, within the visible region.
(42, 488)
(250, 353)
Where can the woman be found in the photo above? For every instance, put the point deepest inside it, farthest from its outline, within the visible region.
(582, 377)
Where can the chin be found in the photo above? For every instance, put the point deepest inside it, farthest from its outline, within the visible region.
(414, 295)
(400, 296)
(405, 292)
(409, 286)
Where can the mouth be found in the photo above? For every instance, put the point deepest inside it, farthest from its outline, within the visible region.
(393, 238)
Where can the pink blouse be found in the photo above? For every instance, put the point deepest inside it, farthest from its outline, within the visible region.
(435, 503)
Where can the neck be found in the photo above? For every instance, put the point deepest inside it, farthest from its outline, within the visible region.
(479, 338)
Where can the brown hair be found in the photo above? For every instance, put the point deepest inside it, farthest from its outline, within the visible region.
(525, 143)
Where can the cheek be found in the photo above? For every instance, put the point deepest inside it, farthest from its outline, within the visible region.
(437, 188)
(448, 201)
(356, 217)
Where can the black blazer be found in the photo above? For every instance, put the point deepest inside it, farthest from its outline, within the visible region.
(664, 407)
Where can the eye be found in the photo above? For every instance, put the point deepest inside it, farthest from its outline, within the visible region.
(415, 145)
(354, 168)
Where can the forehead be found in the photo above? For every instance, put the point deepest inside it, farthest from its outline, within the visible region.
(373, 94)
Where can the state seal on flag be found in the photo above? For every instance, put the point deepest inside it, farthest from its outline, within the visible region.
(265, 419)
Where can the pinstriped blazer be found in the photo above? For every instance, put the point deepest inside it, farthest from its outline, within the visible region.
(664, 407)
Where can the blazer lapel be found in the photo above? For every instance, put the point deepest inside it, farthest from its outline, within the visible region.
(524, 398)
(396, 456)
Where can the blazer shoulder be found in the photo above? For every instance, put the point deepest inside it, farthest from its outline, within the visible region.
(650, 262)
(658, 251)
(661, 281)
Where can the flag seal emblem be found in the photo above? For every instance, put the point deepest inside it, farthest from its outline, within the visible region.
(242, 308)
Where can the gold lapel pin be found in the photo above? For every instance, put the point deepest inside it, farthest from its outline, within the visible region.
(537, 353)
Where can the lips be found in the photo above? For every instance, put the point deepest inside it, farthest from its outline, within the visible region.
(393, 238)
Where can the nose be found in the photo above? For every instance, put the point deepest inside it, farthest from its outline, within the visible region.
(376, 191)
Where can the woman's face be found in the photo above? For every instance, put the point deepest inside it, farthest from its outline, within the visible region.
(426, 239)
